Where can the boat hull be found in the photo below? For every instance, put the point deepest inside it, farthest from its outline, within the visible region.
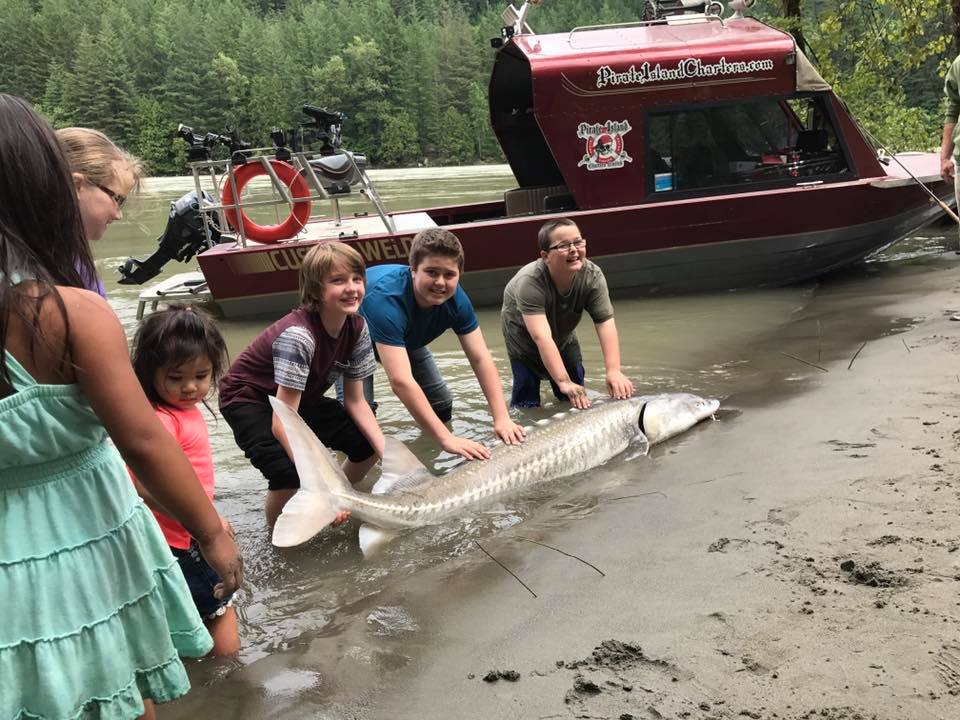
(739, 240)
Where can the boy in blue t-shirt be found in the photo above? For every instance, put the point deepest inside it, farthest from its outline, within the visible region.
(406, 308)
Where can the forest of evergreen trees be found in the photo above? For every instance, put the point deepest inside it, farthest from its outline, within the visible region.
(411, 75)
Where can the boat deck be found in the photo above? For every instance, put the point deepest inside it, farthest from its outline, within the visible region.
(326, 227)
(189, 286)
(924, 166)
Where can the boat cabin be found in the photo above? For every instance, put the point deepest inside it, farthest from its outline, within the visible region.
(646, 112)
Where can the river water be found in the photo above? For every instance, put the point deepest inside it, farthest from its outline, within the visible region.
(321, 600)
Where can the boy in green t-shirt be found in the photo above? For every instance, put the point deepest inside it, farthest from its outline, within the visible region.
(542, 305)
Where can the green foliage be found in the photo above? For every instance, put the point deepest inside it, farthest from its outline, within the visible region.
(154, 141)
(886, 59)
(456, 143)
(399, 144)
(410, 75)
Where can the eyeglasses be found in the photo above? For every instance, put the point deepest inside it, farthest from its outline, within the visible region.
(565, 246)
(116, 197)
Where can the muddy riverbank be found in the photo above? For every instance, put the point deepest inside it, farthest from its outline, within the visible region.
(796, 559)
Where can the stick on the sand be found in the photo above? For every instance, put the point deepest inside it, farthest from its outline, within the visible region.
(551, 547)
(805, 362)
(855, 354)
(506, 568)
(819, 340)
(905, 344)
(627, 497)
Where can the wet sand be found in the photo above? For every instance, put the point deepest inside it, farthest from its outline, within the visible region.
(798, 558)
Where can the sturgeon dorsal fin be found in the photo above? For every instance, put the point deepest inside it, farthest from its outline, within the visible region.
(401, 470)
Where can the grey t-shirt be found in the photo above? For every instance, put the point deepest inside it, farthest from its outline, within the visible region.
(532, 292)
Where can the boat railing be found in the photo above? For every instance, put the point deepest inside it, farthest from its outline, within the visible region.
(226, 212)
(668, 20)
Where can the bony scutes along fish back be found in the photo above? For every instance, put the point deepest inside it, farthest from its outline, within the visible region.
(407, 495)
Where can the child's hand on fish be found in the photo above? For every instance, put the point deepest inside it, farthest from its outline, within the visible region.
(508, 431)
(619, 385)
(576, 394)
(469, 449)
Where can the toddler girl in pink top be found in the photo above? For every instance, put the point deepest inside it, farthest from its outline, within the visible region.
(178, 355)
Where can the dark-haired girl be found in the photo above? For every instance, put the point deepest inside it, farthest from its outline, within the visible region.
(95, 609)
(178, 356)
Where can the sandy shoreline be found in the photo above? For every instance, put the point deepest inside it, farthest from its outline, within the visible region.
(727, 591)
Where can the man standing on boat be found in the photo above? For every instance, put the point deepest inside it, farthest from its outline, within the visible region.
(949, 146)
(542, 305)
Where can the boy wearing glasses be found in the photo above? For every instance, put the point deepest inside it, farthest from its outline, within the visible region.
(542, 305)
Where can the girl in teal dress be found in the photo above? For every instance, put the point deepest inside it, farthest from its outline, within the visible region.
(95, 610)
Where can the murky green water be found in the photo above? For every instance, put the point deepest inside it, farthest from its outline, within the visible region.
(320, 599)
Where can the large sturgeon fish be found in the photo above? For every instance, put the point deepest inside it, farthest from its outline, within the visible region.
(407, 495)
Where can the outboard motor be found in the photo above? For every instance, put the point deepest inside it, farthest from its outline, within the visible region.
(183, 238)
(333, 168)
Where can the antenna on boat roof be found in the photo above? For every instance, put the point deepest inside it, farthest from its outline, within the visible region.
(738, 6)
(515, 23)
(663, 9)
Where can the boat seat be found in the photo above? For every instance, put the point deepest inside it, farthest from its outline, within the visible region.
(699, 166)
(559, 203)
(532, 200)
(812, 141)
(336, 173)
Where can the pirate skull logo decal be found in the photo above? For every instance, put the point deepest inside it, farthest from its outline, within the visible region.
(604, 145)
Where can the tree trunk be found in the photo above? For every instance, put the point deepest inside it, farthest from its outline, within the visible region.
(791, 9)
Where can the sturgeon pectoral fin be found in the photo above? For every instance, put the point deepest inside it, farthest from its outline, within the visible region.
(638, 447)
(373, 539)
(401, 470)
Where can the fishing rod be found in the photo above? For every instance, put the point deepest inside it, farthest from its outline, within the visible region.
(941, 203)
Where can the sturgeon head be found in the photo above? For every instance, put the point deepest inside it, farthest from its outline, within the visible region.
(664, 416)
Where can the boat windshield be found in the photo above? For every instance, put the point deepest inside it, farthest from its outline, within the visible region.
(768, 140)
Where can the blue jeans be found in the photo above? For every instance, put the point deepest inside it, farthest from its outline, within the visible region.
(201, 579)
(426, 374)
(527, 377)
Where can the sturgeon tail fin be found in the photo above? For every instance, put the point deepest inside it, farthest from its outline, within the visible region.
(316, 503)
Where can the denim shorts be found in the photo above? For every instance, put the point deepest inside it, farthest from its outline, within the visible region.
(201, 579)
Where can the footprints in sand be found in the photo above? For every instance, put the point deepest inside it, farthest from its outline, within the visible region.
(846, 447)
(948, 668)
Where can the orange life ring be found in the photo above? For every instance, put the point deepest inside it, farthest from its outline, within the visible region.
(294, 223)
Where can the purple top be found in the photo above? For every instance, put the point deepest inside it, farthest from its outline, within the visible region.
(94, 284)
